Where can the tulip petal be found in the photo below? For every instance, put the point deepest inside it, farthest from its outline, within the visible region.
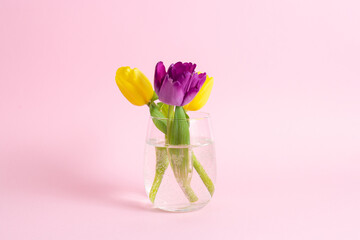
(185, 80)
(121, 77)
(171, 93)
(196, 82)
(160, 73)
(143, 85)
(202, 97)
(134, 85)
(189, 96)
(190, 67)
(202, 78)
(180, 84)
(179, 68)
(169, 71)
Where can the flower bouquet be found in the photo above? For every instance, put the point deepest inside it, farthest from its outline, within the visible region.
(174, 138)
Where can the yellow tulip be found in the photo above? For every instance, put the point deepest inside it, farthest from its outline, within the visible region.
(203, 95)
(134, 85)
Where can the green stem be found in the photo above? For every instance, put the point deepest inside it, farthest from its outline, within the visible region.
(180, 161)
(189, 193)
(203, 175)
(162, 163)
(170, 118)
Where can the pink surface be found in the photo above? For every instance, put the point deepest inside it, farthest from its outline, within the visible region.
(285, 108)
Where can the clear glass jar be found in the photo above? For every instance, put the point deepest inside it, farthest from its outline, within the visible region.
(180, 178)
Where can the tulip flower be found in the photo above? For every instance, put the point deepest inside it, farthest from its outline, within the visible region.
(134, 85)
(178, 88)
(179, 85)
(201, 98)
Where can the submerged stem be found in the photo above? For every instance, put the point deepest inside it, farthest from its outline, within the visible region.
(180, 159)
(203, 175)
(189, 193)
(162, 163)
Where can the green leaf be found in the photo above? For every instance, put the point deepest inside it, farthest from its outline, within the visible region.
(164, 108)
(156, 113)
(187, 117)
(179, 134)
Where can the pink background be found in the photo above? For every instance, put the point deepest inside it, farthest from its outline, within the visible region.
(285, 109)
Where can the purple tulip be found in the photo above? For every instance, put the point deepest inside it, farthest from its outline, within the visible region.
(179, 85)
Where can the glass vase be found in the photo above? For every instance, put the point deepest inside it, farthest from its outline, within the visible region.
(180, 178)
